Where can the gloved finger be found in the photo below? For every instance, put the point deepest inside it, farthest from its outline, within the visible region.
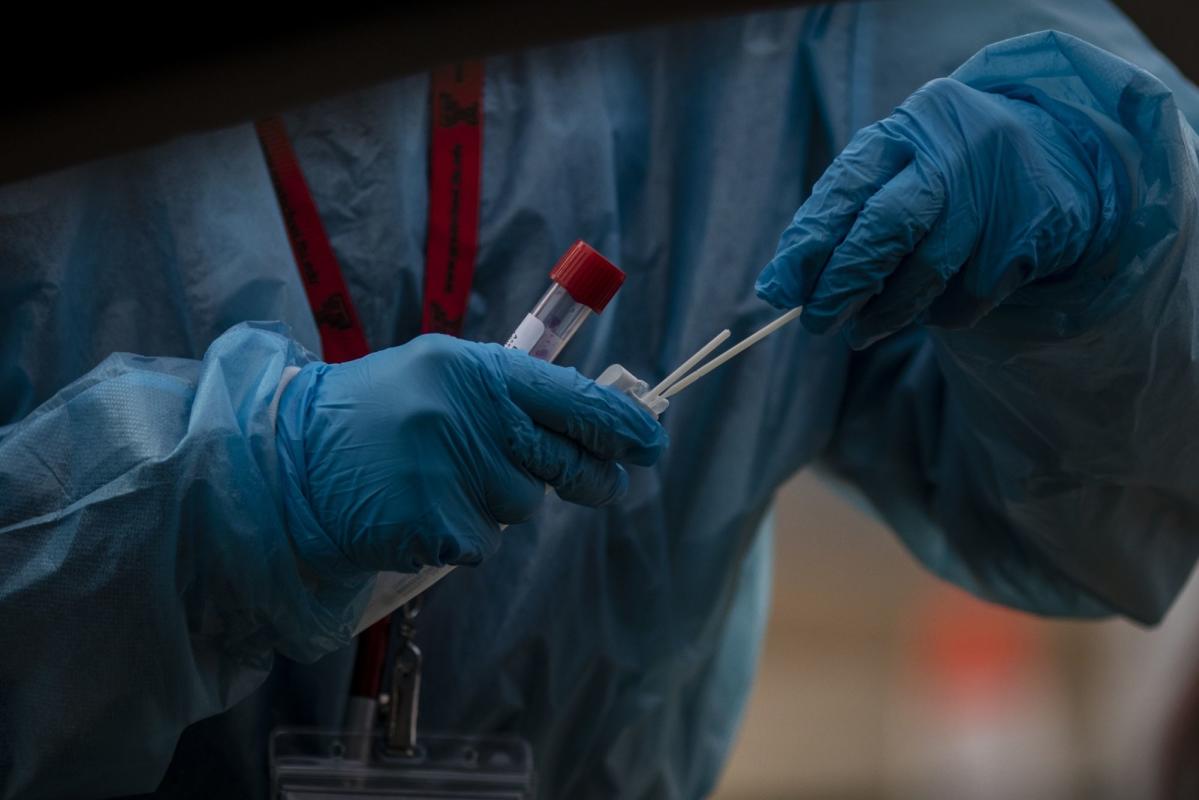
(575, 474)
(460, 532)
(919, 280)
(872, 158)
(890, 226)
(973, 291)
(601, 420)
(464, 546)
(515, 494)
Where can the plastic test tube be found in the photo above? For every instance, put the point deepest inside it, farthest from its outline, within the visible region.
(583, 282)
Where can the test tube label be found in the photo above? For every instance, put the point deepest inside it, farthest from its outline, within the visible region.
(527, 334)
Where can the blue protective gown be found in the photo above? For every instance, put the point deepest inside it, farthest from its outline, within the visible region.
(145, 575)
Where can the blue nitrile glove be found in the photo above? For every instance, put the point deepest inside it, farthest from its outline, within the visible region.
(415, 455)
(943, 210)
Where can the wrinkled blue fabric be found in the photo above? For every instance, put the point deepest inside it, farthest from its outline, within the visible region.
(621, 642)
(415, 455)
(144, 498)
(1017, 209)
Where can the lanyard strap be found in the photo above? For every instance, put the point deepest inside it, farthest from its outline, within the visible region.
(455, 159)
(342, 338)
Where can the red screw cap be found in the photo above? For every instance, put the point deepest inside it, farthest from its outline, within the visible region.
(590, 278)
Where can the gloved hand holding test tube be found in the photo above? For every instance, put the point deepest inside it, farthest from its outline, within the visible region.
(583, 282)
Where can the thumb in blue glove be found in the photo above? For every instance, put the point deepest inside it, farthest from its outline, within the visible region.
(943, 210)
(415, 455)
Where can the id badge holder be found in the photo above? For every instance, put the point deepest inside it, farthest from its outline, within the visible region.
(308, 764)
(373, 762)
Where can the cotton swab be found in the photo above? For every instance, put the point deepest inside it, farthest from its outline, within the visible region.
(682, 369)
(733, 352)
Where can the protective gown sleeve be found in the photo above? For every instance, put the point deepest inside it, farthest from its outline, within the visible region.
(146, 572)
(1048, 457)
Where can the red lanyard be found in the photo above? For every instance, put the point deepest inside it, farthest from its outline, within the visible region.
(455, 160)
(337, 322)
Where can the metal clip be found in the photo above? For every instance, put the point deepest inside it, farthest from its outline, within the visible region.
(404, 705)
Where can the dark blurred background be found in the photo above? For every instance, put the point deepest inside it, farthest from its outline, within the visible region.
(102, 79)
(1172, 26)
(879, 682)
